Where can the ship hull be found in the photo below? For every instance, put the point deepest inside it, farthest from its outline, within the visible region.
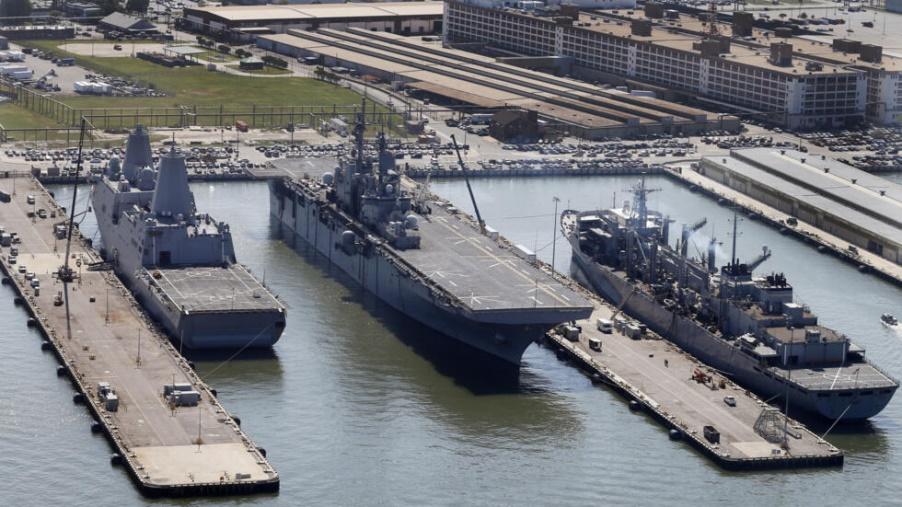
(716, 352)
(503, 337)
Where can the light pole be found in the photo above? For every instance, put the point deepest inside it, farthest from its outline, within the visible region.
(556, 200)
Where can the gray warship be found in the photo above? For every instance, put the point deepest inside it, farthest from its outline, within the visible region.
(747, 327)
(421, 256)
(179, 263)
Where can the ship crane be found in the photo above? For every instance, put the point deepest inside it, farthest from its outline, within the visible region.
(763, 256)
(463, 168)
(688, 231)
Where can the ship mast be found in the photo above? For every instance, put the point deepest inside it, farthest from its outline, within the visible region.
(641, 192)
(734, 261)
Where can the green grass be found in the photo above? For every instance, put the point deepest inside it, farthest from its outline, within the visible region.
(208, 90)
(13, 116)
(197, 86)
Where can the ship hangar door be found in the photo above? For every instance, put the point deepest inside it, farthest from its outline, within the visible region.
(165, 258)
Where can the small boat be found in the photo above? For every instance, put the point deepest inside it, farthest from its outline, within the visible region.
(889, 320)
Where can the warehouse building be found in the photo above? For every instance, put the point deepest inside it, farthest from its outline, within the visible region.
(460, 78)
(861, 208)
(242, 21)
(123, 23)
(769, 75)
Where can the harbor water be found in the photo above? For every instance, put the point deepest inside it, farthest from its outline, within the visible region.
(358, 406)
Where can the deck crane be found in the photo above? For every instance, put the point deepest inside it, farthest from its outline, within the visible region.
(463, 167)
(688, 231)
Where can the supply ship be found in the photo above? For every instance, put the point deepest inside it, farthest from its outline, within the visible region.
(747, 327)
(421, 256)
(179, 263)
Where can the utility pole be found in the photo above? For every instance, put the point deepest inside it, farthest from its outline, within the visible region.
(556, 200)
(138, 360)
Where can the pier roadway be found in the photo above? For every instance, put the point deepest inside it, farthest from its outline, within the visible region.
(866, 260)
(168, 450)
(657, 377)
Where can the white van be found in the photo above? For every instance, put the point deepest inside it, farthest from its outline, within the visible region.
(605, 326)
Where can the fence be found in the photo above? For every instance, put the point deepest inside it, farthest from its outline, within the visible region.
(256, 116)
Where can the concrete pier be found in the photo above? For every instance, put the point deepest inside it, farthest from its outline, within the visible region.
(823, 241)
(657, 378)
(167, 448)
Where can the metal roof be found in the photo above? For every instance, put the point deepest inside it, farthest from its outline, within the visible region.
(126, 22)
(857, 203)
(286, 13)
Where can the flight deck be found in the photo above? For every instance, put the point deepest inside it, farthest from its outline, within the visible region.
(480, 272)
(213, 289)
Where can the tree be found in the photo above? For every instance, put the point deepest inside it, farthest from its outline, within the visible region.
(15, 7)
(137, 5)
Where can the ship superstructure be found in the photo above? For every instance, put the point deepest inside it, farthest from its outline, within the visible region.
(421, 256)
(747, 326)
(179, 263)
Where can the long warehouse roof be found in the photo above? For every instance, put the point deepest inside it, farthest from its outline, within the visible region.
(854, 196)
(284, 13)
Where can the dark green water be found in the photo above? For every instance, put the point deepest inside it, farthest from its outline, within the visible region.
(359, 407)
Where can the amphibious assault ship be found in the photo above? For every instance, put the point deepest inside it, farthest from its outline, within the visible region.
(421, 256)
(179, 263)
(747, 327)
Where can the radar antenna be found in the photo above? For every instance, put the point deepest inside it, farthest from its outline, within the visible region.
(640, 191)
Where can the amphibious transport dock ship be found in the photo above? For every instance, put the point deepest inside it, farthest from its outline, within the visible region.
(422, 257)
(180, 263)
(747, 327)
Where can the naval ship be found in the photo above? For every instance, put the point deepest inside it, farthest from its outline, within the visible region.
(179, 263)
(746, 326)
(421, 256)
